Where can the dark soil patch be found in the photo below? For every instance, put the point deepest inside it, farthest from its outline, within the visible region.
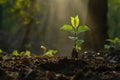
(90, 65)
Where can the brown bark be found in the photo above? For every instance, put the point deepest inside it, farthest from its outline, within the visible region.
(97, 21)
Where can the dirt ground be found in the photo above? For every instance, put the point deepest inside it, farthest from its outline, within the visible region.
(90, 65)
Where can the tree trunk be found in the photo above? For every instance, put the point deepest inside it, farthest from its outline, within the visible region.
(28, 27)
(1, 17)
(97, 21)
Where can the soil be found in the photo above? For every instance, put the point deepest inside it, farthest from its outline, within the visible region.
(90, 65)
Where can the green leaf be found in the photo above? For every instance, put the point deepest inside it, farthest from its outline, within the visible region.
(78, 48)
(67, 28)
(73, 38)
(111, 41)
(44, 48)
(51, 53)
(79, 42)
(73, 21)
(82, 29)
(1, 50)
(76, 21)
(116, 39)
(15, 53)
(27, 53)
(115, 42)
(22, 53)
(106, 46)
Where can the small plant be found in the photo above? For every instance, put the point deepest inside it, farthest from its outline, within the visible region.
(50, 52)
(21, 54)
(75, 29)
(115, 43)
(1, 51)
(25, 53)
(15, 53)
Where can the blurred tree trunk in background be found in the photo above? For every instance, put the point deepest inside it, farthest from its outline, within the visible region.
(0, 16)
(114, 18)
(97, 21)
(25, 45)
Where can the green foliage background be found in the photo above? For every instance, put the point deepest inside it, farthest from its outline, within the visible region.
(14, 10)
(18, 17)
(114, 18)
(16, 14)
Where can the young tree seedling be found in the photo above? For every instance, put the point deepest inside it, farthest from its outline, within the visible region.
(75, 29)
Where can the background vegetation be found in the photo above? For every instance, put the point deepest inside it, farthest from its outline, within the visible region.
(27, 24)
(114, 18)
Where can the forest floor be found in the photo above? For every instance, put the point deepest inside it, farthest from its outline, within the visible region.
(102, 65)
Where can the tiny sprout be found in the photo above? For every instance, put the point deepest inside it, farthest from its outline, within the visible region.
(115, 43)
(22, 53)
(50, 52)
(44, 48)
(1, 51)
(15, 53)
(25, 53)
